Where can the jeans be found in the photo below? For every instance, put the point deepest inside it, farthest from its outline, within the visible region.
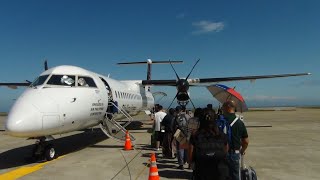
(234, 165)
(181, 155)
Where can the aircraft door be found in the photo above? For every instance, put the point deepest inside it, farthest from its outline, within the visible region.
(108, 89)
(108, 95)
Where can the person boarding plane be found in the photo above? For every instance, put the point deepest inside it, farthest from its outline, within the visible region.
(69, 98)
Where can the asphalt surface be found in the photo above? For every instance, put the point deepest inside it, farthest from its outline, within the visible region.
(283, 145)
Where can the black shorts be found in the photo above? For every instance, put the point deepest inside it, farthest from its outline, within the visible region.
(158, 135)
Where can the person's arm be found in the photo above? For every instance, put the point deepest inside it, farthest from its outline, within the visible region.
(190, 154)
(226, 148)
(244, 145)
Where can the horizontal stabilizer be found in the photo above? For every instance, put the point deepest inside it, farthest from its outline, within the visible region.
(150, 62)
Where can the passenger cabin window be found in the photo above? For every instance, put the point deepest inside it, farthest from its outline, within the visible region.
(40, 80)
(62, 80)
(86, 82)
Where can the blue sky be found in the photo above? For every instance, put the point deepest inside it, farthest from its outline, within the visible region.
(232, 38)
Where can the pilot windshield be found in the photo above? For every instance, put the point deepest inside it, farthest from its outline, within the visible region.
(40, 80)
(62, 80)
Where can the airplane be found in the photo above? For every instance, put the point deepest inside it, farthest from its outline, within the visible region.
(68, 98)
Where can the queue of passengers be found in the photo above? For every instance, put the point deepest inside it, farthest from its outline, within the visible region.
(211, 149)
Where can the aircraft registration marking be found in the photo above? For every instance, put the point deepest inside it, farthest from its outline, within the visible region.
(96, 109)
(23, 171)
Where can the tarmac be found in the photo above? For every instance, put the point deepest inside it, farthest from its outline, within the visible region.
(283, 145)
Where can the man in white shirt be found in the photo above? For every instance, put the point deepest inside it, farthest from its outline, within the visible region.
(158, 117)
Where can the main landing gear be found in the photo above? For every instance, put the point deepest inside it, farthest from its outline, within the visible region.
(44, 150)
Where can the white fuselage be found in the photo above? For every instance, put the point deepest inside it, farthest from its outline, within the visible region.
(69, 98)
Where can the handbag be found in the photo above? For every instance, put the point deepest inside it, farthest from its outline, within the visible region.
(180, 137)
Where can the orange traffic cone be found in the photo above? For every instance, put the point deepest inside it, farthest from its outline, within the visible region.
(153, 172)
(127, 145)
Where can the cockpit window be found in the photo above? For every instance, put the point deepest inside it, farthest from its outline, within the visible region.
(86, 82)
(62, 80)
(40, 80)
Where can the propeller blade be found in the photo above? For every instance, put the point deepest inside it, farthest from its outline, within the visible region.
(193, 68)
(173, 99)
(192, 103)
(45, 65)
(174, 70)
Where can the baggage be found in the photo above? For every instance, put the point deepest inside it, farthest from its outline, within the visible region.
(225, 127)
(247, 173)
(180, 137)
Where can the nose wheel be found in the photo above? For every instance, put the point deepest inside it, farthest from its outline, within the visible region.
(44, 150)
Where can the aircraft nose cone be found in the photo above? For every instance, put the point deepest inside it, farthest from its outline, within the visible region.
(24, 120)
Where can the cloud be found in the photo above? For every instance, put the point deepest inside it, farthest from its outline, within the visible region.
(181, 16)
(204, 27)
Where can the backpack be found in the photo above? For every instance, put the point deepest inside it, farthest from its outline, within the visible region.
(181, 122)
(225, 127)
(208, 147)
(209, 155)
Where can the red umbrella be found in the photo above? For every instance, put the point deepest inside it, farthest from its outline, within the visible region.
(224, 93)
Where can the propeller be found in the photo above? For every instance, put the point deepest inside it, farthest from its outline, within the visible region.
(174, 71)
(182, 87)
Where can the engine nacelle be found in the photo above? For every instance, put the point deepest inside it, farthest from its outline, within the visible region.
(182, 85)
(183, 96)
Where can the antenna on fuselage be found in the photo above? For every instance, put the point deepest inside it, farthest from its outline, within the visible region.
(45, 64)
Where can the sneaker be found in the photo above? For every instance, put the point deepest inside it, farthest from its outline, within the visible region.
(181, 167)
(157, 149)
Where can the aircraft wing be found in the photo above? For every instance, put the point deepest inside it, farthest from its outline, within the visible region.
(15, 85)
(200, 81)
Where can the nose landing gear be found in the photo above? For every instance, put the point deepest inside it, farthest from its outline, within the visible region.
(44, 150)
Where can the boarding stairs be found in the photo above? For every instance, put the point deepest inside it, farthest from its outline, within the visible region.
(114, 129)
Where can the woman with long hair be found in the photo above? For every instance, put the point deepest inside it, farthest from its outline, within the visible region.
(208, 150)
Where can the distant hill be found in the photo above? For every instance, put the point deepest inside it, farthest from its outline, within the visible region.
(3, 114)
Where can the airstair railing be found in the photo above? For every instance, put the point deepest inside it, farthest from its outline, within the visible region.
(114, 129)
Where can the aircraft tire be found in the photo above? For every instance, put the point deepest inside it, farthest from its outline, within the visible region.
(50, 152)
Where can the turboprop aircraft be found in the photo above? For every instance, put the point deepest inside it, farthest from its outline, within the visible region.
(68, 98)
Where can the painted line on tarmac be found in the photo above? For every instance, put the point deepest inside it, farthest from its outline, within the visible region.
(143, 169)
(23, 171)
